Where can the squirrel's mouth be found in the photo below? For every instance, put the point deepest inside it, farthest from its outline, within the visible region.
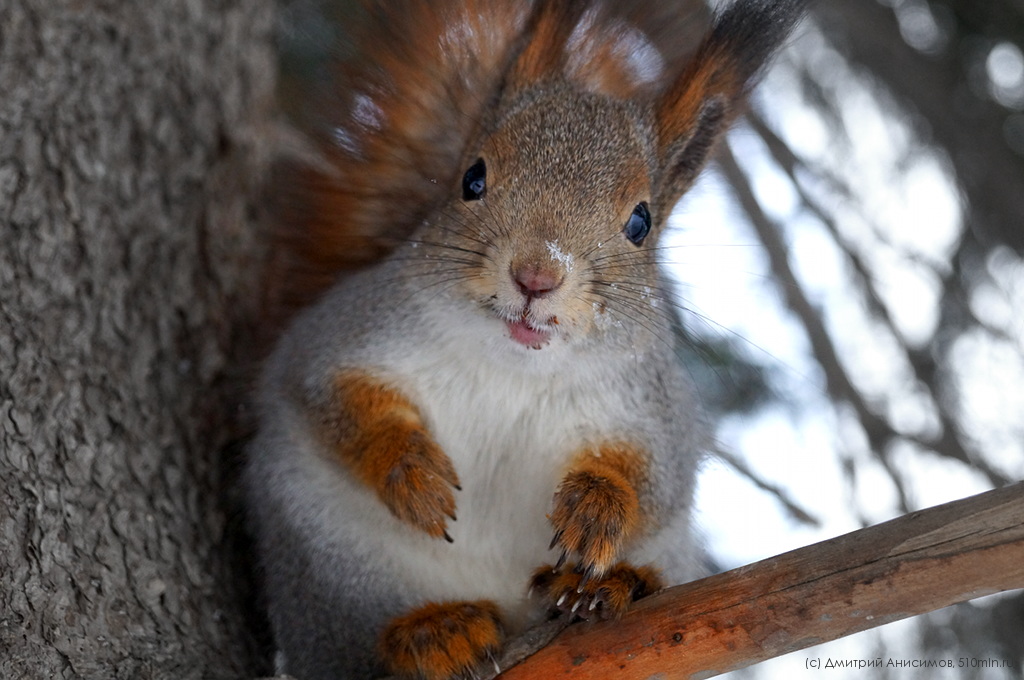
(525, 334)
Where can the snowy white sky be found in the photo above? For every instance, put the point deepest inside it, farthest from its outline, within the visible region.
(916, 220)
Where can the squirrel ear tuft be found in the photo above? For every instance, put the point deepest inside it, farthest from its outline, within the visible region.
(697, 107)
(547, 36)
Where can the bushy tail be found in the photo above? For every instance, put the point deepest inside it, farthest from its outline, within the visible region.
(391, 131)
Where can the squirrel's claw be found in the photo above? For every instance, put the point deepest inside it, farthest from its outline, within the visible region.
(588, 574)
(582, 595)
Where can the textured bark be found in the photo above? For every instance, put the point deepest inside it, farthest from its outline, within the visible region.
(129, 260)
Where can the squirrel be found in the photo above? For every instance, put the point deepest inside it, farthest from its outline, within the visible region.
(489, 425)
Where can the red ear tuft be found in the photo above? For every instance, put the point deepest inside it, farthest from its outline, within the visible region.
(711, 90)
(606, 48)
(710, 76)
(547, 38)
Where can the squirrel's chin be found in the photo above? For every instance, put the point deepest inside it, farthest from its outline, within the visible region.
(528, 336)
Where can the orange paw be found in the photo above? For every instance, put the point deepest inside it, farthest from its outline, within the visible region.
(380, 435)
(572, 591)
(442, 641)
(415, 479)
(595, 507)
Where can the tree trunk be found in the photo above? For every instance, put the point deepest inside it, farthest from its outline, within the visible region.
(129, 263)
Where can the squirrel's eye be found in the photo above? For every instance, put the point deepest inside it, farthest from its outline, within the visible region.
(639, 224)
(474, 182)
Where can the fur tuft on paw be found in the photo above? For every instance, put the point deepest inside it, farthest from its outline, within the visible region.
(441, 641)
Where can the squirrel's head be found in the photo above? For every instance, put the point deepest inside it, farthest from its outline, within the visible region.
(557, 203)
(564, 193)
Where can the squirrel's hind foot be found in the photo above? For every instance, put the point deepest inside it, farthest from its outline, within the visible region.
(575, 591)
(442, 641)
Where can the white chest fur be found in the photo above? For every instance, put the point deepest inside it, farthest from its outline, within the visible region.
(510, 434)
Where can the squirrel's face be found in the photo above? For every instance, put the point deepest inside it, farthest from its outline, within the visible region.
(553, 223)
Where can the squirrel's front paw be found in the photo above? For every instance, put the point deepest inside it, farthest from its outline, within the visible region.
(416, 480)
(379, 434)
(442, 641)
(570, 591)
(593, 512)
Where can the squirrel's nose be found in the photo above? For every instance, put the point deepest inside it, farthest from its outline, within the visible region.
(536, 282)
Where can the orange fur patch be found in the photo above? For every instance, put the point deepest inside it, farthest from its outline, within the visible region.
(441, 640)
(380, 436)
(711, 74)
(609, 596)
(543, 56)
(597, 507)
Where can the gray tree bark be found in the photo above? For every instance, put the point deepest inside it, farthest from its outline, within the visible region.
(129, 271)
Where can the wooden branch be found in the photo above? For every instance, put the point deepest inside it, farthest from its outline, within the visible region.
(908, 566)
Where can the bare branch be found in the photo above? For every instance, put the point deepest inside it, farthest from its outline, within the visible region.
(795, 511)
(922, 361)
(905, 567)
